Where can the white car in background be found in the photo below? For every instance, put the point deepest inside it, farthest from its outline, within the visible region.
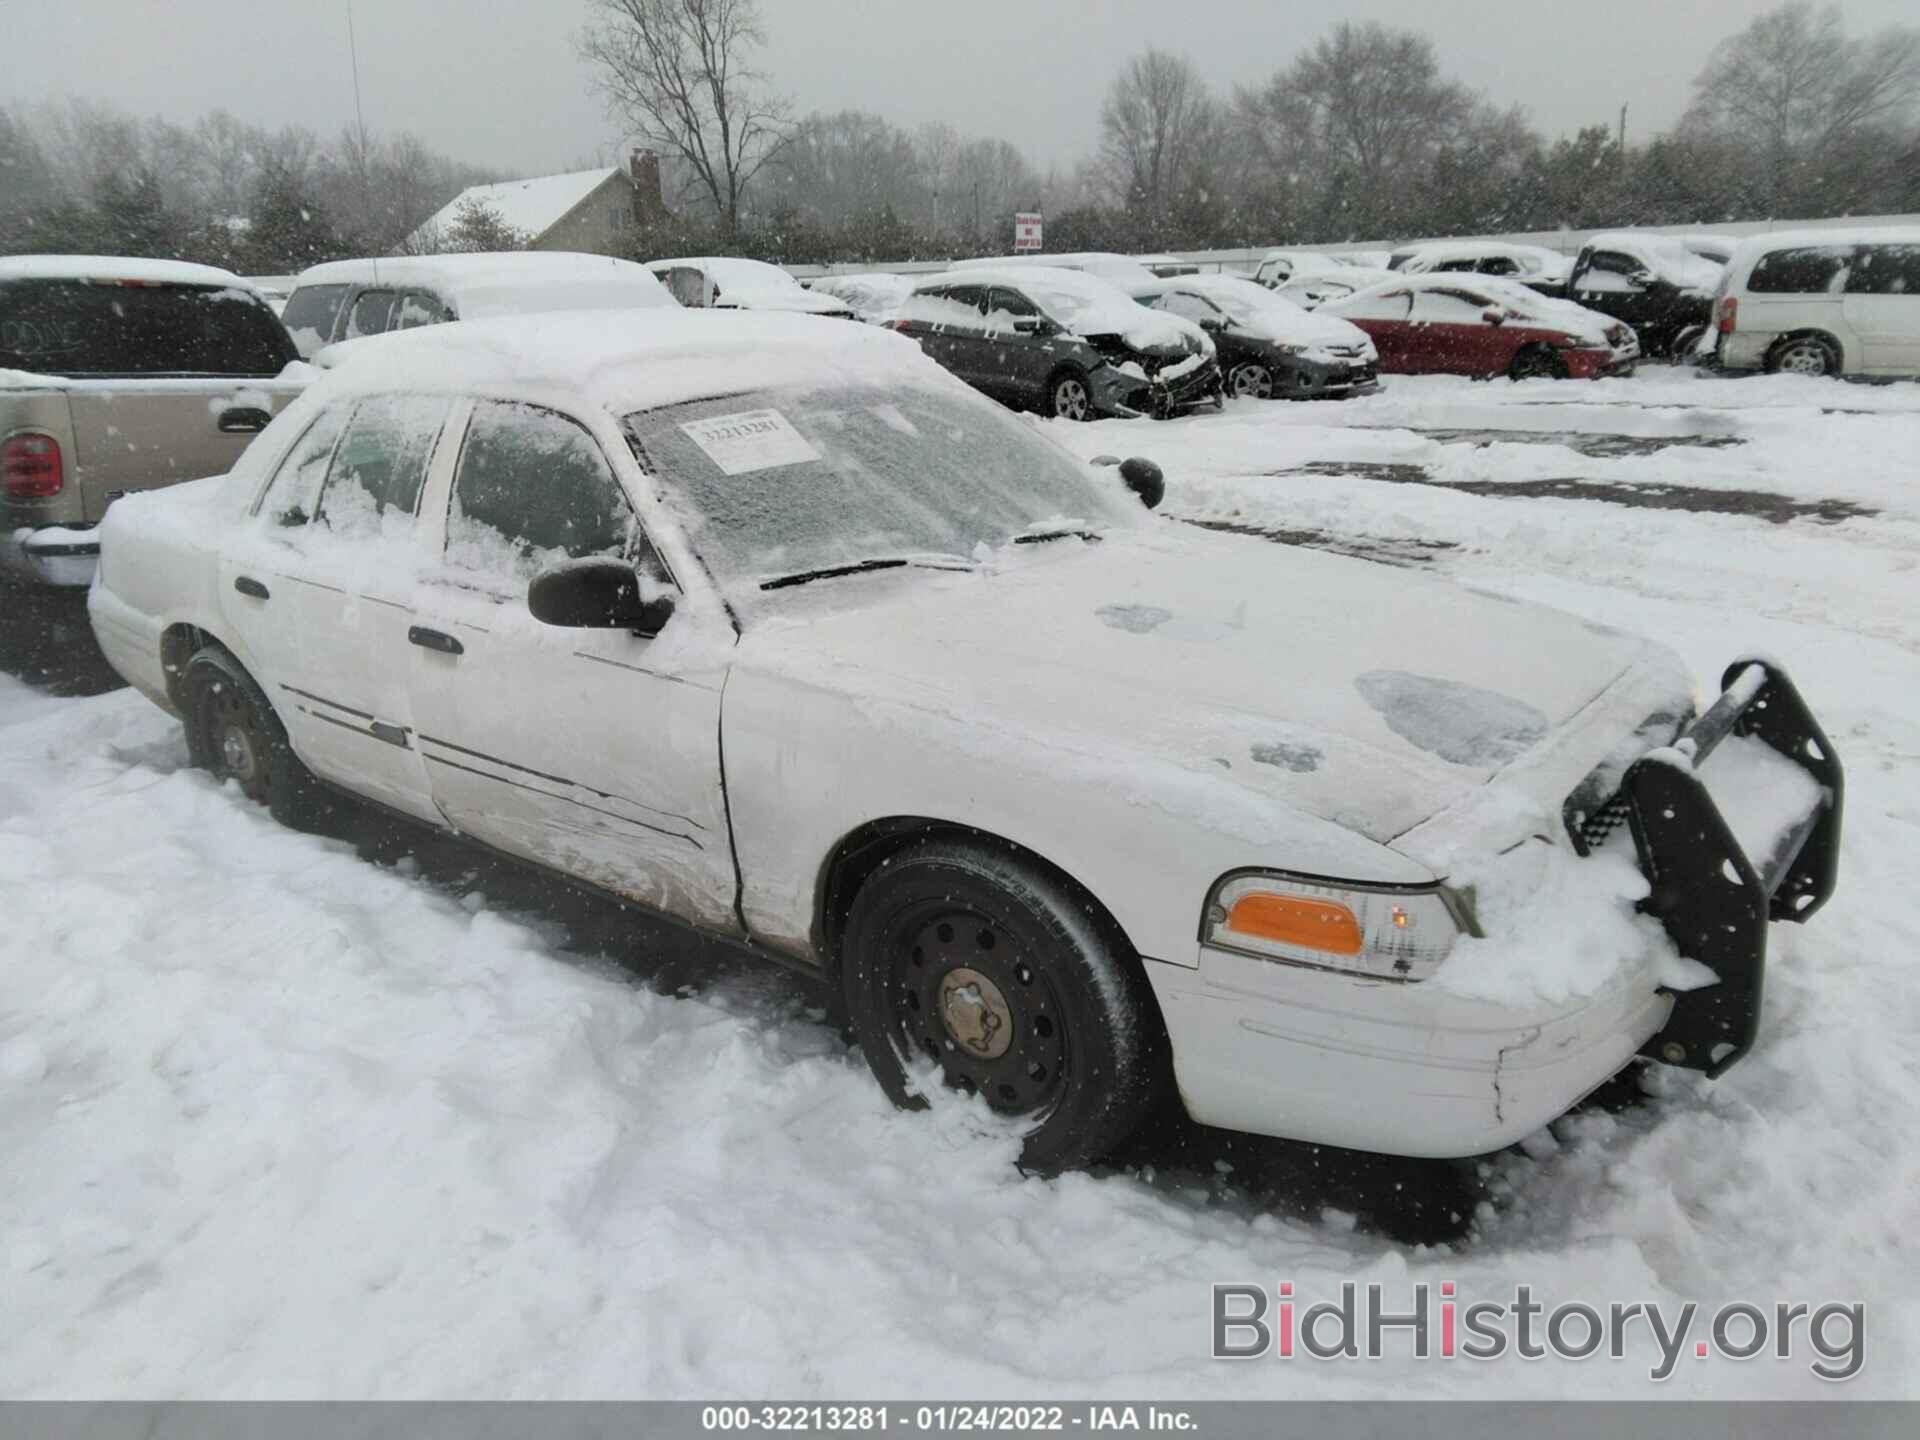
(777, 628)
(1122, 270)
(1534, 266)
(353, 299)
(721, 282)
(875, 296)
(1821, 302)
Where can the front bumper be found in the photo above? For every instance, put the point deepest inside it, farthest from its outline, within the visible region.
(64, 556)
(1409, 1069)
(1119, 393)
(1304, 379)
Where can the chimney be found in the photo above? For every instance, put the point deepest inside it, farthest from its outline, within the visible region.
(644, 170)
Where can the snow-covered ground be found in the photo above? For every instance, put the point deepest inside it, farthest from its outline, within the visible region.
(279, 1119)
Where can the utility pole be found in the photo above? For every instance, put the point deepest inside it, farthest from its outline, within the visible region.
(1623, 132)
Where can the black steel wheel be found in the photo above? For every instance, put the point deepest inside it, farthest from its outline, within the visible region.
(233, 732)
(961, 957)
(1251, 381)
(1069, 397)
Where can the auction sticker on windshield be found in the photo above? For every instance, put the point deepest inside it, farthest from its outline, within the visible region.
(749, 440)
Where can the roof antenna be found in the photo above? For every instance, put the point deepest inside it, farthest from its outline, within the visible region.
(360, 119)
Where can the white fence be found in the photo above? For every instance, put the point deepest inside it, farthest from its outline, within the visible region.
(1567, 242)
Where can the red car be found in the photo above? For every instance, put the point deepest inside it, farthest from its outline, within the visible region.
(1449, 324)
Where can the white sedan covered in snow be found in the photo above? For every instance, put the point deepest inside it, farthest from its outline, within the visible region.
(776, 627)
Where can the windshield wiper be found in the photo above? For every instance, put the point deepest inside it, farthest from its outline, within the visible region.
(1042, 531)
(855, 567)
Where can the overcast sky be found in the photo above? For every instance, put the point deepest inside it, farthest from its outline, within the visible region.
(497, 83)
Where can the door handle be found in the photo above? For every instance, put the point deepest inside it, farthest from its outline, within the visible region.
(434, 640)
(247, 585)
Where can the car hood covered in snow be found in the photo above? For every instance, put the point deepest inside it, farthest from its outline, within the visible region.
(1358, 693)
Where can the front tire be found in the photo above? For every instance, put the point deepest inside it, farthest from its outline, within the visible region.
(1803, 355)
(961, 955)
(1068, 397)
(234, 734)
(1536, 362)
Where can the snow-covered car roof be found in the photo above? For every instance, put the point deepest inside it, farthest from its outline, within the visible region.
(117, 270)
(731, 272)
(627, 363)
(1842, 236)
(1534, 260)
(1260, 311)
(1117, 269)
(1082, 303)
(1524, 301)
(1664, 255)
(518, 282)
(1305, 260)
(874, 295)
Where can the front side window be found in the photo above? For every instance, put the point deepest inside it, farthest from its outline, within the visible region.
(1004, 306)
(1187, 306)
(532, 488)
(685, 284)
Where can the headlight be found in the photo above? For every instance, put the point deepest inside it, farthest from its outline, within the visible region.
(1385, 932)
(1292, 349)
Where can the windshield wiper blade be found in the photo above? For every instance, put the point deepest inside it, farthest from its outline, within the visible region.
(1065, 532)
(855, 567)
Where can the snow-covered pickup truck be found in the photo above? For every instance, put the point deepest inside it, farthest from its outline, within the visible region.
(776, 627)
(116, 376)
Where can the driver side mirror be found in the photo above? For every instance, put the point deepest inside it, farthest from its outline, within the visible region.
(1145, 479)
(1494, 315)
(242, 420)
(596, 593)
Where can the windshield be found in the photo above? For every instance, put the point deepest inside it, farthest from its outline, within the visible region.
(769, 483)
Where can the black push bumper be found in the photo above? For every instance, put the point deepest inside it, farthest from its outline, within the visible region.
(1713, 899)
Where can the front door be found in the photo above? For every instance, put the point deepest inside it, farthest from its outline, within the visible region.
(319, 591)
(592, 752)
(1882, 307)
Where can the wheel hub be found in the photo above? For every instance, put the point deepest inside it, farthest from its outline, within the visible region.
(976, 1013)
(236, 751)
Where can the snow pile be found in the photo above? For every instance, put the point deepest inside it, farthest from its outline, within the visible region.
(1759, 792)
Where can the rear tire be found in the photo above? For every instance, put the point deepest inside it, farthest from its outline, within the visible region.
(962, 955)
(234, 734)
(1251, 381)
(1536, 362)
(1803, 355)
(1068, 397)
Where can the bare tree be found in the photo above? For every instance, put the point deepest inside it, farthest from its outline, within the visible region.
(1155, 128)
(677, 72)
(1364, 108)
(1794, 86)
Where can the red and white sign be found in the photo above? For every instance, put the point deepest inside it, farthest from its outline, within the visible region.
(1026, 231)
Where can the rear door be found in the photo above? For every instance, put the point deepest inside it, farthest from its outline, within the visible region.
(1450, 334)
(1882, 307)
(320, 591)
(153, 368)
(595, 752)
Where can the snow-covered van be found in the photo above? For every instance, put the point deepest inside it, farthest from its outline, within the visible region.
(776, 627)
(725, 282)
(121, 375)
(350, 299)
(1821, 302)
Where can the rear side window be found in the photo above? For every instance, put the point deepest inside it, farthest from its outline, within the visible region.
(532, 488)
(311, 313)
(295, 492)
(685, 284)
(372, 313)
(1446, 307)
(1885, 270)
(380, 464)
(418, 308)
(1802, 270)
(80, 327)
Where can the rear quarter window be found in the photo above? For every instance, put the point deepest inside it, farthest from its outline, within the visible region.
(312, 311)
(84, 327)
(1801, 270)
(1885, 270)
